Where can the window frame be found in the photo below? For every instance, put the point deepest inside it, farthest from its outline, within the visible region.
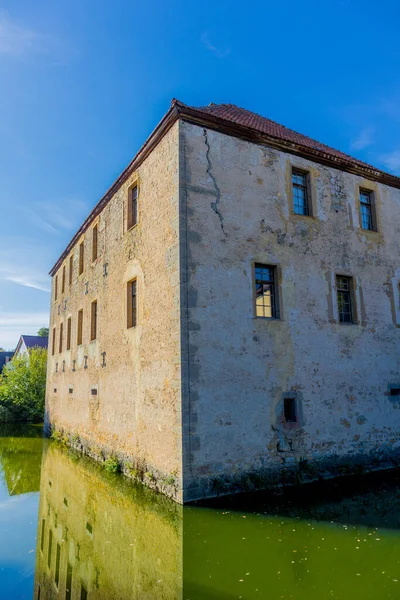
(54, 341)
(71, 269)
(132, 215)
(351, 299)
(81, 258)
(69, 332)
(276, 309)
(95, 243)
(93, 320)
(132, 303)
(63, 280)
(56, 288)
(307, 188)
(79, 329)
(60, 339)
(372, 208)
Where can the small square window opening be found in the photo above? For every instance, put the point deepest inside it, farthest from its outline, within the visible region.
(289, 410)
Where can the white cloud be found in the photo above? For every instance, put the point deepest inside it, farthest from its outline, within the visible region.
(16, 40)
(364, 139)
(391, 161)
(55, 219)
(13, 325)
(25, 263)
(220, 53)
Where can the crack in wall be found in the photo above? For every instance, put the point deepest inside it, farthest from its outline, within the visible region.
(214, 205)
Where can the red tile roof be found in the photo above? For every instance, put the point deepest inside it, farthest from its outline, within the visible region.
(239, 122)
(245, 118)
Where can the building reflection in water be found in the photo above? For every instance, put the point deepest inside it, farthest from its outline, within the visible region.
(100, 537)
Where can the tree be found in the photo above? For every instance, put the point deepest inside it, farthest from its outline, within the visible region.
(23, 386)
(43, 332)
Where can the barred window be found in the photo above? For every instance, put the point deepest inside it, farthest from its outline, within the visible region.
(367, 210)
(301, 204)
(265, 288)
(345, 297)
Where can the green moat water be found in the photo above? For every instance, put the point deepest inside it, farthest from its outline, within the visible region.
(70, 530)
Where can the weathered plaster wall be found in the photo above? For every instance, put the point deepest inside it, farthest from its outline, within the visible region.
(237, 201)
(136, 411)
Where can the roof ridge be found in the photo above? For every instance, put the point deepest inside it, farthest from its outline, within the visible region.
(323, 147)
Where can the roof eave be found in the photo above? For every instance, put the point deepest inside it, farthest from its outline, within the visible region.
(241, 131)
(158, 133)
(178, 110)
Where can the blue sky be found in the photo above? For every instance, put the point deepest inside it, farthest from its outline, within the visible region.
(83, 82)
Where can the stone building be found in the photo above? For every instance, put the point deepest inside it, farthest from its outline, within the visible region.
(228, 315)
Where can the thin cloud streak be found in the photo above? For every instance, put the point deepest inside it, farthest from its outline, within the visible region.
(19, 41)
(391, 160)
(363, 140)
(210, 46)
(16, 40)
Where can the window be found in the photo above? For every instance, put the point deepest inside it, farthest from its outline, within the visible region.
(265, 289)
(50, 548)
(345, 298)
(132, 304)
(394, 390)
(301, 200)
(60, 345)
(53, 344)
(68, 586)
(133, 195)
(84, 593)
(93, 323)
(58, 558)
(81, 257)
(69, 326)
(42, 535)
(94, 243)
(367, 210)
(71, 269)
(80, 327)
(289, 410)
(63, 280)
(56, 288)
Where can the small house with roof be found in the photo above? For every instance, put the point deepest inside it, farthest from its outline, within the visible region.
(28, 342)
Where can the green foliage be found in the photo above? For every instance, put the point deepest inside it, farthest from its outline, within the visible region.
(112, 465)
(43, 332)
(23, 386)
